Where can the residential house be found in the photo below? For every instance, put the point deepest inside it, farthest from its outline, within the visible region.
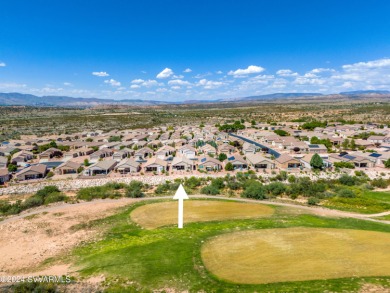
(357, 160)
(209, 164)
(3, 162)
(317, 149)
(249, 148)
(208, 149)
(100, 154)
(143, 153)
(187, 151)
(165, 152)
(101, 168)
(20, 158)
(49, 154)
(155, 165)
(226, 149)
(128, 165)
(258, 161)
(238, 162)
(68, 167)
(287, 162)
(4, 176)
(33, 172)
(183, 164)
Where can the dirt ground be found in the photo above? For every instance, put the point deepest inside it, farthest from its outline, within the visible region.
(26, 243)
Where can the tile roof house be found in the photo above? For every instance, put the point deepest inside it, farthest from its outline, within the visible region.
(4, 176)
(3, 162)
(155, 165)
(287, 162)
(183, 163)
(33, 172)
(128, 165)
(238, 162)
(258, 161)
(101, 168)
(68, 167)
(209, 163)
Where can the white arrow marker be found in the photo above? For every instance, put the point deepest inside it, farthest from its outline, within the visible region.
(181, 195)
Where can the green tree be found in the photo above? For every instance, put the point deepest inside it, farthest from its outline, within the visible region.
(387, 163)
(12, 168)
(345, 144)
(222, 157)
(281, 132)
(352, 144)
(254, 189)
(229, 167)
(316, 162)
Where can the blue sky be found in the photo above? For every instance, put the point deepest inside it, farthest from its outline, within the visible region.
(181, 50)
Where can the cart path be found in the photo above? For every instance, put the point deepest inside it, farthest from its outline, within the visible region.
(319, 211)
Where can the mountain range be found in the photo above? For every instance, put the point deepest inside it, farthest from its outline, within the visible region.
(18, 99)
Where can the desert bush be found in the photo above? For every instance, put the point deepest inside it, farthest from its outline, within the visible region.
(210, 189)
(254, 189)
(347, 193)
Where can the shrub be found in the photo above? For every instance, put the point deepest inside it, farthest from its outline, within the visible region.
(218, 183)
(254, 189)
(275, 188)
(347, 193)
(316, 162)
(192, 182)
(348, 180)
(229, 167)
(50, 174)
(291, 179)
(379, 183)
(210, 189)
(313, 201)
(134, 189)
(347, 165)
(31, 202)
(55, 197)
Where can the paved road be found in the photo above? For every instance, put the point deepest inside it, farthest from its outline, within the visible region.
(320, 211)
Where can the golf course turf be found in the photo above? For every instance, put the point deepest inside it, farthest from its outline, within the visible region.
(165, 213)
(135, 259)
(297, 254)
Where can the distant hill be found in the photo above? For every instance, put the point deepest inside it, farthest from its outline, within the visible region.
(280, 96)
(370, 92)
(17, 99)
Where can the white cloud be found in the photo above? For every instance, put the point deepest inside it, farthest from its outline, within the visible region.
(68, 84)
(187, 70)
(150, 83)
(178, 76)
(286, 73)
(176, 87)
(209, 84)
(219, 72)
(12, 85)
(112, 82)
(100, 73)
(2, 64)
(203, 75)
(137, 81)
(250, 70)
(380, 63)
(320, 70)
(167, 72)
(178, 82)
(135, 86)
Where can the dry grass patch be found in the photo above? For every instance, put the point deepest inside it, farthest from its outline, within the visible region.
(151, 216)
(297, 254)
